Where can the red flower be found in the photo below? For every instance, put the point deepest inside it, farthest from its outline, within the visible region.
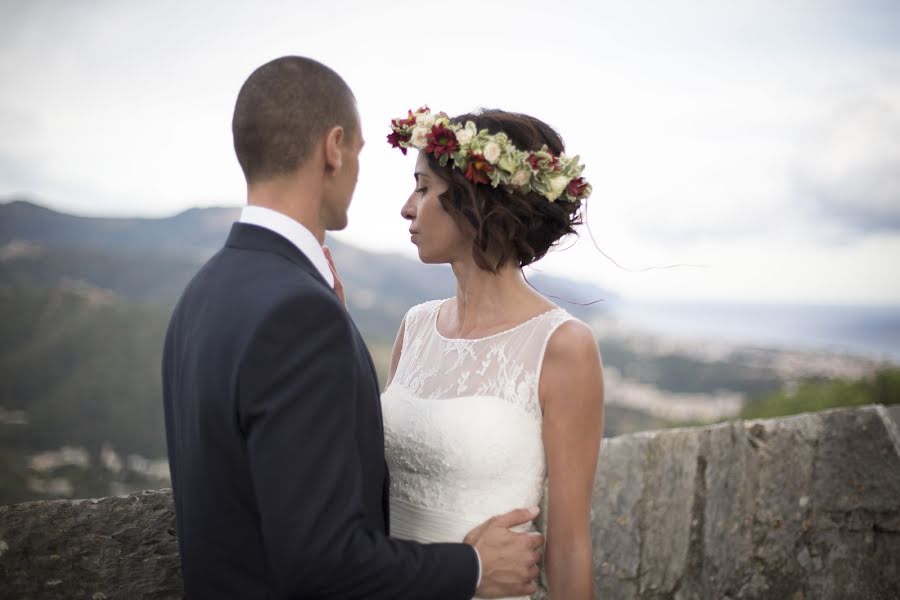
(576, 187)
(395, 138)
(478, 169)
(408, 121)
(535, 161)
(441, 141)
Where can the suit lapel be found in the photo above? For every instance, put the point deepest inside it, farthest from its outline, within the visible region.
(253, 237)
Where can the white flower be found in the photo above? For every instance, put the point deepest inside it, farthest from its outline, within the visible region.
(492, 152)
(425, 121)
(464, 136)
(418, 137)
(521, 178)
(558, 185)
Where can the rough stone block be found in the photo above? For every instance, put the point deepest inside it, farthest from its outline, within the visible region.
(122, 547)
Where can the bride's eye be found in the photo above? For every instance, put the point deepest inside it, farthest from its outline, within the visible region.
(422, 190)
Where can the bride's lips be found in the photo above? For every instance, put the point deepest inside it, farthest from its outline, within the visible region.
(412, 236)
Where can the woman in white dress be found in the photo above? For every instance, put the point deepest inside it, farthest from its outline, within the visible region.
(496, 390)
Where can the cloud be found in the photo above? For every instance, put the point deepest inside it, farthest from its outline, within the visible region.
(849, 177)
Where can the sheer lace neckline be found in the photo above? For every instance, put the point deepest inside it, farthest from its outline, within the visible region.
(437, 332)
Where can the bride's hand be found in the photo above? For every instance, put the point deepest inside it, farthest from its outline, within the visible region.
(508, 558)
(338, 284)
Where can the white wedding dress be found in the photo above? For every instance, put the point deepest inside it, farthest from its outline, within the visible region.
(462, 426)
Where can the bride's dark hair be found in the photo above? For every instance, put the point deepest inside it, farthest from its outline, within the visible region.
(507, 226)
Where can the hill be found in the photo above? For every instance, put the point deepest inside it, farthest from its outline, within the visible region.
(151, 260)
(193, 234)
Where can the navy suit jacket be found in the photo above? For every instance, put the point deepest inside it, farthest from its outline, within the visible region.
(275, 440)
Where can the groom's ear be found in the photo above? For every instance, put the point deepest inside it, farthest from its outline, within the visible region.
(334, 144)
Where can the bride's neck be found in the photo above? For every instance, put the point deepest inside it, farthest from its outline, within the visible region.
(483, 297)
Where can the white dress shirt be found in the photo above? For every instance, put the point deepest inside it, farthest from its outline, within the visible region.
(293, 231)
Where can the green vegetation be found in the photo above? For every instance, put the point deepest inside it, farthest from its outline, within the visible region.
(882, 387)
(14, 478)
(85, 368)
(139, 278)
(686, 374)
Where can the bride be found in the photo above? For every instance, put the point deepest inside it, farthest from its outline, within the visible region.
(496, 390)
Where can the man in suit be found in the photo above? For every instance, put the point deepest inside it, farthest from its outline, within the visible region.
(273, 417)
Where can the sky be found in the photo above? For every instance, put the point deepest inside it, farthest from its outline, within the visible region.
(756, 144)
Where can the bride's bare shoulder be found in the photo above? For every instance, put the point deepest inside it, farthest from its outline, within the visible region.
(572, 366)
(573, 339)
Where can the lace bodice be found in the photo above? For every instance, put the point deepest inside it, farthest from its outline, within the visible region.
(505, 365)
(463, 425)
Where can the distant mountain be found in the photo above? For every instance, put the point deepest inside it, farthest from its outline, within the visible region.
(151, 260)
(192, 235)
(140, 278)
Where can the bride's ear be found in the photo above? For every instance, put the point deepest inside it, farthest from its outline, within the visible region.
(334, 144)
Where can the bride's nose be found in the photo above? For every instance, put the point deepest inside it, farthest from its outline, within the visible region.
(408, 210)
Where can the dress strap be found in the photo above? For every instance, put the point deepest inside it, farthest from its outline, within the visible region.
(419, 319)
(554, 319)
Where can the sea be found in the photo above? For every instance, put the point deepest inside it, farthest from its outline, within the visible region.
(871, 331)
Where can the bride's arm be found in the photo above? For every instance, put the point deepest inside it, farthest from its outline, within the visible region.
(571, 395)
(395, 354)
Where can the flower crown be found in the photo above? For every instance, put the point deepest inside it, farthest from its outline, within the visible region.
(484, 157)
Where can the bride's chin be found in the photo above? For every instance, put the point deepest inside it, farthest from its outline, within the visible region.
(427, 259)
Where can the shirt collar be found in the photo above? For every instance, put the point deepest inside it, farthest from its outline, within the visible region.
(293, 231)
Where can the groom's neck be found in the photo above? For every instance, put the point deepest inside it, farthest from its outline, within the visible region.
(292, 196)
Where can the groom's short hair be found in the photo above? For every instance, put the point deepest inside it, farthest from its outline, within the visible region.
(282, 111)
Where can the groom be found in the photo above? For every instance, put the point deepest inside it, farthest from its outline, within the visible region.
(273, 417)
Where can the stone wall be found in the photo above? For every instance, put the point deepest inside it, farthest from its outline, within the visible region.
(802, 507)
